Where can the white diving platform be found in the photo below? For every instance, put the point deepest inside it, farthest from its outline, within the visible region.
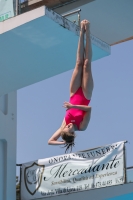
(37, 45)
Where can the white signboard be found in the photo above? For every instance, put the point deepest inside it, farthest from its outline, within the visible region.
(6, 9)
(84, 170)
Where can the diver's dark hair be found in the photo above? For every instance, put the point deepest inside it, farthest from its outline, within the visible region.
(68, 137)
(69, 145)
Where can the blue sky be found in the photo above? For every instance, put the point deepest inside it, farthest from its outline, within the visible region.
(40, 110)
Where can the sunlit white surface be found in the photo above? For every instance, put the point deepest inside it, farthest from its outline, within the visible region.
(38, 47)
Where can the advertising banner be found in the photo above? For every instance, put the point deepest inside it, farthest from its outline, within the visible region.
(68, 173)
(6, 9)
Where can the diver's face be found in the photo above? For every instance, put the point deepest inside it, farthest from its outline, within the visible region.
(69, 128)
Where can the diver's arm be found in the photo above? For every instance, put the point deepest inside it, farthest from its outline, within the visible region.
(55, 142)
(54, 139)
(68, 106)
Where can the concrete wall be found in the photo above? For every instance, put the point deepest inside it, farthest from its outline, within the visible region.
(8, 121)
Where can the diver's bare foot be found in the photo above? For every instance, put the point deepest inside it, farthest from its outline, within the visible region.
(86, 25)
(82, 26)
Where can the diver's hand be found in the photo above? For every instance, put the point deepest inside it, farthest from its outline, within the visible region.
(67, 105)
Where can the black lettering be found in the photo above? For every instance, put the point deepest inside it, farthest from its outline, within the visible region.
(43, 193)
(105, 165)
(81, 171)
(88, 155)
(65, 157)
(60, 158)
(90, 169)
(83, 155)
(98, 152)
(86, 186)
(103, 150)
(64, 174)
(113, 162)
(69, 157)
(75, 171)
(74, 155)
(50, 161)
(112, 146)
(80, 187)
(96, 168)
(56, 159)
(87, 170)
(92, 153)
(57, 172)
(108, 149)
(116, 164)
(70, 172)
(64, 190)
(62, 170)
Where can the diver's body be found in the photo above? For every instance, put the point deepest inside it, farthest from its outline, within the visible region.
(81, 86)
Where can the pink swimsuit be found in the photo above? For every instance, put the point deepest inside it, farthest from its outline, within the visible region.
(73, 115)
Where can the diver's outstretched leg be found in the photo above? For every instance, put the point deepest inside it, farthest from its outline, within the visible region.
(76, 79)
(87, 80)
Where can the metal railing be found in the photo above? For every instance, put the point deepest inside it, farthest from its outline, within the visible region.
(72, 13)
(130, 167)
(24, 6)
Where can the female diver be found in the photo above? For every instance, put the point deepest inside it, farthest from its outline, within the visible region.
(81, 86)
